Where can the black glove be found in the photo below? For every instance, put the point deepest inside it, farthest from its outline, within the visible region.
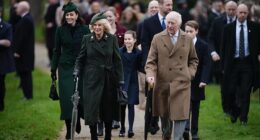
(53, 75)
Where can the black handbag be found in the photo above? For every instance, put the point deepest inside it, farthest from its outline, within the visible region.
(122, 97)
(53, 92)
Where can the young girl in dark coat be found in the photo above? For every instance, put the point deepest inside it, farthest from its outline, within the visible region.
(131, 59)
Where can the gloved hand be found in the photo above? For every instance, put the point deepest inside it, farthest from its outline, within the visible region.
(53, 75)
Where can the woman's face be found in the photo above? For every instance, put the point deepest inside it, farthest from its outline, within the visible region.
(71, 17)
(129, 15)
(110, 17)
(98, 28)
(129, 40)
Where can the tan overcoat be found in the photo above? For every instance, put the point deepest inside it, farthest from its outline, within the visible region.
(173, 67)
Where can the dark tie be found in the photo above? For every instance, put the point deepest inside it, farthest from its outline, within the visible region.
(230, 20)
(241, 43)
(163, 23)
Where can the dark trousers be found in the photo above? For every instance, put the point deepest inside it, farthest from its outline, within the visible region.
(50, 41)
(26, 83)
(240, 84)
(194, 118)
(2, 91)
(108, 130)
(131, 116)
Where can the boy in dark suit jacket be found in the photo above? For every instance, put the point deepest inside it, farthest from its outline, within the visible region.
(201, 78)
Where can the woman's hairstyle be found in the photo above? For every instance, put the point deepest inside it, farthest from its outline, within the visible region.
(133, 33)
(105, 23)
(79, 19)
(192, 23)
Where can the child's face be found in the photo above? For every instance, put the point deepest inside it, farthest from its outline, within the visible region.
(129, 40)
(191, 31)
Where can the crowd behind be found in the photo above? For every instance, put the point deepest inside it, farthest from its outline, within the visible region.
(131, 46)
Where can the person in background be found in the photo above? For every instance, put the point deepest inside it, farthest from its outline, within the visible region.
(50, 25)
(13, 18)
(100, 65)
(95, 7)
(67, 46)
(214, 39)
(170, 67)
(132, 63)
(6, 57)
(215, 11)
(200, 80)
(240, 62)
(24, 48)
(129, 19)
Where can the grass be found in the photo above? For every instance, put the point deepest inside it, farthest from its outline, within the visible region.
(214, 125)
(37, 119)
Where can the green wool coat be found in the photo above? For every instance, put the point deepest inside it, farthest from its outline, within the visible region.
(68, 43)
(100, 63)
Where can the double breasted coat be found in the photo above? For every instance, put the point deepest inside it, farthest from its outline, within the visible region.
(173, 67)
(132, 63)
(67, 46)
(6, 53)
(100, 64)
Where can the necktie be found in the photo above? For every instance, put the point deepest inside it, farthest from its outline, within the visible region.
(230, 20)
(241, 43)
(163, 23)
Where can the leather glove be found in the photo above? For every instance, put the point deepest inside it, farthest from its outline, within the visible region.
(53, 75)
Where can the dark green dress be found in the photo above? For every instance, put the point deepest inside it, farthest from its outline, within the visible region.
(68, 43)
(100, 63)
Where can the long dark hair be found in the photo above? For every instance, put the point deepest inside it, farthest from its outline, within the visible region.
(79, 19)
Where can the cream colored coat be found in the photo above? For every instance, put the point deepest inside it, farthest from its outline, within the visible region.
(173, 67)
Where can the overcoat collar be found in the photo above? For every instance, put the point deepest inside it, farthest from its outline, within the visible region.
(166, 38)
(98, 45)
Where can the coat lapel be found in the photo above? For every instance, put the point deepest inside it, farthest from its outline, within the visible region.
(249, 30)
(99, 46)
(166, 39)
(180, 42)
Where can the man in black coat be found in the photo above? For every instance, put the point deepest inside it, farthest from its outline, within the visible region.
(150, 27)
(6, 57)
(24, 48)
(201, 78)
(51, 25)
(214, 40)
(240, 61)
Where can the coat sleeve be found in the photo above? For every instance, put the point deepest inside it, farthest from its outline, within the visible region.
(140, 65)
(117, 62)
(206, 64)
(79, 63)
(6, 35)
(152, 60)
(145, 41)
(56, 51)
(193, 60)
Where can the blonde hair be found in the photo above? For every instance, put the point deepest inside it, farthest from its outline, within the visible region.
(105, 23)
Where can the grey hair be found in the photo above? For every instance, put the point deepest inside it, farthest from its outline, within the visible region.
(175, 16)
(105, 23)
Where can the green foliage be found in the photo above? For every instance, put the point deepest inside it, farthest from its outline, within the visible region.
(214, 125)
(37, 119)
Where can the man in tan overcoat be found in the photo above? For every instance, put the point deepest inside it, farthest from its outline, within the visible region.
(171, 64)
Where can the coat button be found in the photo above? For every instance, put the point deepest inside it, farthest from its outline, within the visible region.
(181, 81)
(180, 57)
(180, 69)
(170, 69)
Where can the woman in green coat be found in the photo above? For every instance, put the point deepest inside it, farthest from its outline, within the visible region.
(100, 63)
(68, 42)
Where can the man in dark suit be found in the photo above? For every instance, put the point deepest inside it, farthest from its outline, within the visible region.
(152, 26)
(51, 25)
(214, 40)
(201, 78)
(6, 57)
(24, 48)
(240, 57)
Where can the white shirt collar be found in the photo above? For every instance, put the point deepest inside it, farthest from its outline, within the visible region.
(239, 23)
(194, 40)
(160, 16)
(24, 14)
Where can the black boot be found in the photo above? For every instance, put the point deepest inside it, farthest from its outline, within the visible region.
(100, 128)
(68, 126)
(93, 132)
(108, 129)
